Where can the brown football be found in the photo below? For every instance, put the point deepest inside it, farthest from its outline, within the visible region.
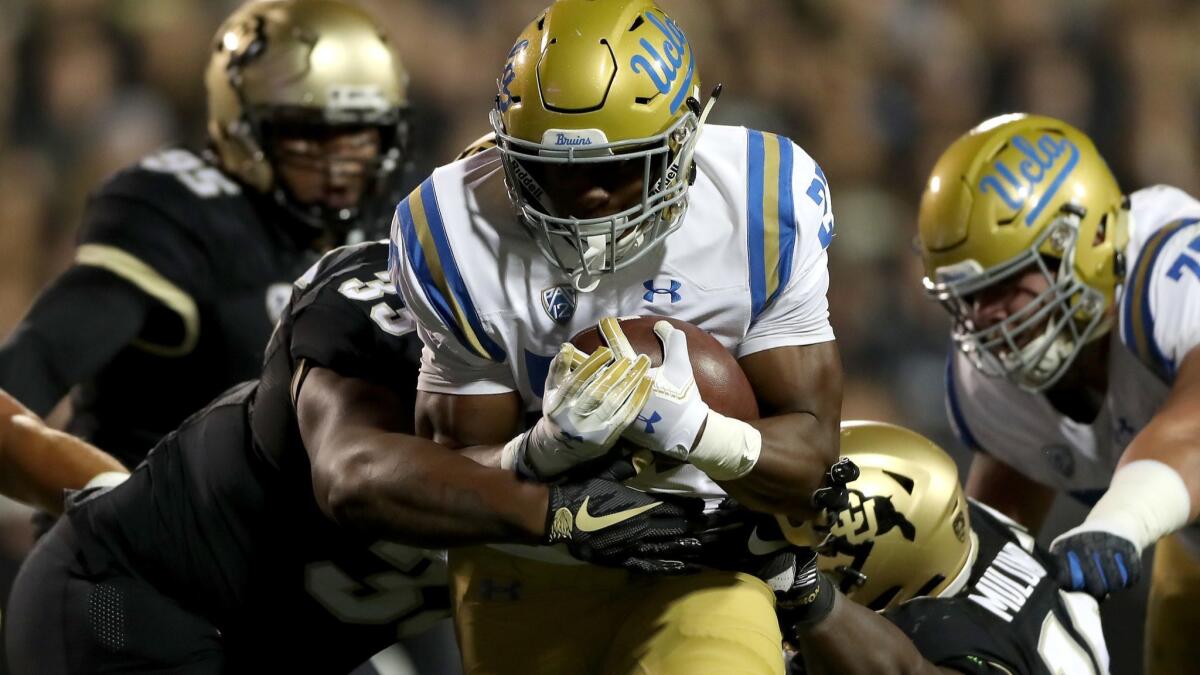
(722, 384)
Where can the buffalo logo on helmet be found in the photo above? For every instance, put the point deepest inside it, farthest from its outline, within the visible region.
(872, 516)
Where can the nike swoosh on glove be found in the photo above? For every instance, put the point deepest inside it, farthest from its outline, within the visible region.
(1095, 561)
(606, 523)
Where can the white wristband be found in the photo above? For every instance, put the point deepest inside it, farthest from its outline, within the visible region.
(1145, 501)
(510, 455)
(106, 479)
(728, 449)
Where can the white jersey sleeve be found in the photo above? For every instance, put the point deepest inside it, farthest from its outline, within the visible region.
(459, 355)
(789, 224)
(1160, 304)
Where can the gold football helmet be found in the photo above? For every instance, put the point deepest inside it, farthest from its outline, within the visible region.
(907, 532)
(303, 64)
(1019, 191)
(599, 84)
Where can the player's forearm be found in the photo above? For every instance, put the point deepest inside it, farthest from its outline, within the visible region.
(37, 464)
(395, 486)
(1175, 443)
(854, 640)
(797, 449)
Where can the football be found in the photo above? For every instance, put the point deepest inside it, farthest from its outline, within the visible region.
(723, 385)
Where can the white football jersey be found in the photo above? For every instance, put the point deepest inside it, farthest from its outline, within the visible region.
(1157, 324)
(748, 265)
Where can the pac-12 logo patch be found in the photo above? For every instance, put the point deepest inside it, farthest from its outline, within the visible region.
(559, 303)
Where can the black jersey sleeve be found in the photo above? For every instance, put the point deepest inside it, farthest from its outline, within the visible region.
(75, 326)
(351, 320)
(153, 218)
(951, 633)
(158, 224)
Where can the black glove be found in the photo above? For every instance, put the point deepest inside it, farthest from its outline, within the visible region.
(1095, 561)
(606, 523)
(803, 595)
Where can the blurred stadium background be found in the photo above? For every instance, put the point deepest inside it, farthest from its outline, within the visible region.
(873, 89)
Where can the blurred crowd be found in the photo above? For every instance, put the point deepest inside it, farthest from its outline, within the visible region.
(873, 89)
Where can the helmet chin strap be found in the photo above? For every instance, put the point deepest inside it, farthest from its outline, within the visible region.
(583, 279)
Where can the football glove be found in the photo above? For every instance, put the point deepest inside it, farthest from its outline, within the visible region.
(671, 421)
(756, 545)
(803, 595)
(606, 523)
(588, 402)
(1095, 561)
(672, 416)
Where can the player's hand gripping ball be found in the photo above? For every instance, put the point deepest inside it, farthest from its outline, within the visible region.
(588, 402)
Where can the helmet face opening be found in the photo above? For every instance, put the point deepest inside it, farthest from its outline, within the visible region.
(331, 176)
(549, 185)
(1036, 344)
(308, 71)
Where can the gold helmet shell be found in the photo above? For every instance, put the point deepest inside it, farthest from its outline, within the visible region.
(907, 531)
(313, 61)
(589, 82)
(1016, 191)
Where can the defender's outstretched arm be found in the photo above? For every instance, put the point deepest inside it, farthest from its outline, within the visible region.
(37, 463)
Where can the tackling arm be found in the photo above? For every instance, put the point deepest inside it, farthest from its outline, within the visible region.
(371, 475)
(37, 463)
(853, 640)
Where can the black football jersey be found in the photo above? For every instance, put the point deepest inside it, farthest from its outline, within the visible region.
(1011, 617)
(219, 260)
(221, 515)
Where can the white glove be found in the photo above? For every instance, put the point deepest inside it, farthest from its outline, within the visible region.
(588, 402)
(671, 419)
(670, 422)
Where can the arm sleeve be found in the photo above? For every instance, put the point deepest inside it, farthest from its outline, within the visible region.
(799, 313)
(157, 253)
(448, 365)
(76, 326)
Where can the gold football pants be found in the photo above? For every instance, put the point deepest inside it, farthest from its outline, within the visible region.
(1173, 611)
(521, 616)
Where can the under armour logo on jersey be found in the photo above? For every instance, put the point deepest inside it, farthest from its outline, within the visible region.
(651, 291)
(559, 303)
(649, 422)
